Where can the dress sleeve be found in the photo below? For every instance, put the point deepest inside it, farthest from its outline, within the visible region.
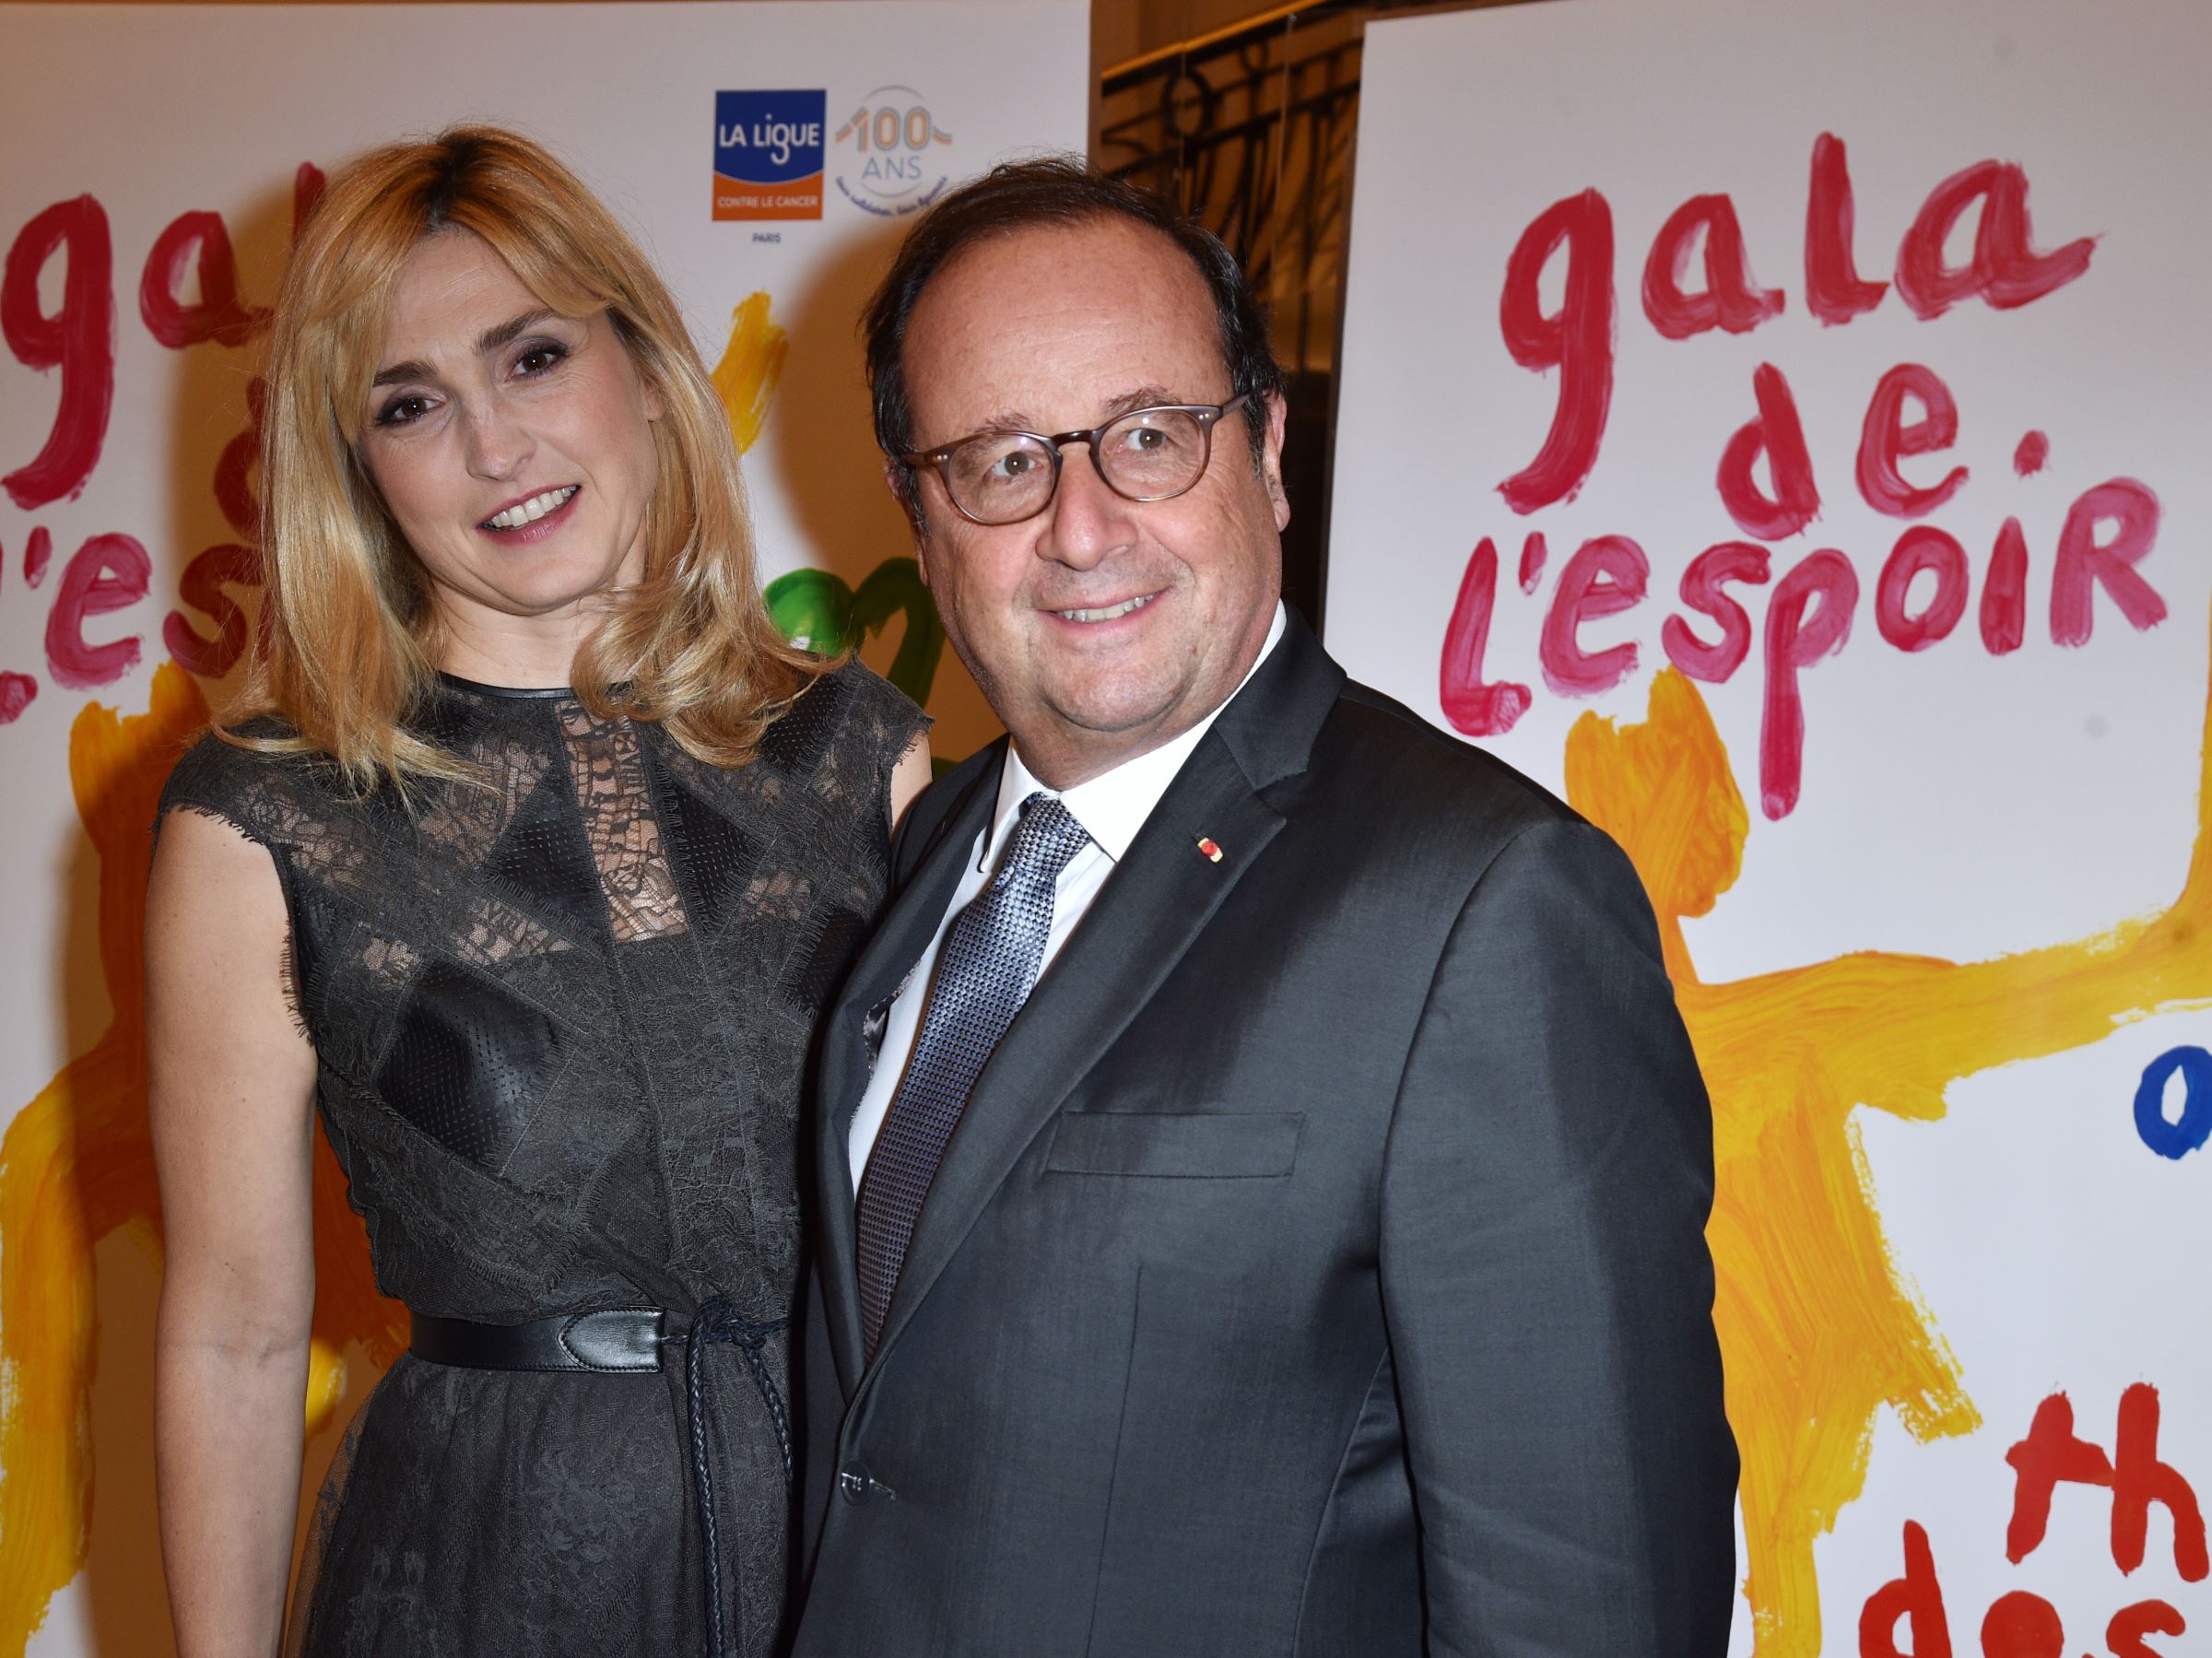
(876, 724)
(273, 801)
(886, 714)
(221, 781)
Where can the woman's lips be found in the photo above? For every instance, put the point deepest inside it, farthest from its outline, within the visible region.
(537, 528)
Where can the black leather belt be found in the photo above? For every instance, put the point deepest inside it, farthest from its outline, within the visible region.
(627, 1339)
(621, 1338)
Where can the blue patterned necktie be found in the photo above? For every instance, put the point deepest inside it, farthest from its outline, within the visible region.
(983, 976)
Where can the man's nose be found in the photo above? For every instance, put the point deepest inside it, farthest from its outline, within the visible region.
(1086, 521)
(494, 443)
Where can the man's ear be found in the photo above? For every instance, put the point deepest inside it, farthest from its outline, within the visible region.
(906, 489)
(1271, 458)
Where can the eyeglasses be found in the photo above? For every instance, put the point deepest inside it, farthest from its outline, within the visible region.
(998, 478)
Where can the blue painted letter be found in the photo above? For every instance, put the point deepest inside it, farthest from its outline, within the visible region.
(2176, 1140)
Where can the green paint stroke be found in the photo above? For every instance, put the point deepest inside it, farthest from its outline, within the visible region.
(817, 612)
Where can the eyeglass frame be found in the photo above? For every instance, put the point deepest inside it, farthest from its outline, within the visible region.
(1208, 414)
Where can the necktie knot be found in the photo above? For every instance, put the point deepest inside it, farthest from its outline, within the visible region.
(1045, 841)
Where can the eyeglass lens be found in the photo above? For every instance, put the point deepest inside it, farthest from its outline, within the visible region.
(1149, 455)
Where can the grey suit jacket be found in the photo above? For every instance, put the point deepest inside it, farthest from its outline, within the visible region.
(1318, 1267)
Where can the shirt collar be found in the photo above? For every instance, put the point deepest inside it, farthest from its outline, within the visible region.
(1113, 805)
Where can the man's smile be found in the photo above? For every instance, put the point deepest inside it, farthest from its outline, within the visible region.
(1108, 613)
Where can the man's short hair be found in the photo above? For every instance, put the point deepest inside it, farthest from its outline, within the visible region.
(1065, 191)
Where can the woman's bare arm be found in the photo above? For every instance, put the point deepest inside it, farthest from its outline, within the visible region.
(232, 1083)
(911, 777)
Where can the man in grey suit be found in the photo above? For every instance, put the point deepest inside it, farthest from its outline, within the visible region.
(1262, 1174)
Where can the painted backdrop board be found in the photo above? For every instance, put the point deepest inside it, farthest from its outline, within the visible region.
(1781, 431)
(767, 156)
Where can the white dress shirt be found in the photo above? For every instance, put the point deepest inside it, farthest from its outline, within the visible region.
(1111, 807)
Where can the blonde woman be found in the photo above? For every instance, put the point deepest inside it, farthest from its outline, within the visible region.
(527, 865)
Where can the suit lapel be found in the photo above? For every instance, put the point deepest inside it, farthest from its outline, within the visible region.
(888, 956)
(1141, 924)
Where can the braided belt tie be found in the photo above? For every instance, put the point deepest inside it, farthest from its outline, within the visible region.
(629, 1340)
(716, 1322)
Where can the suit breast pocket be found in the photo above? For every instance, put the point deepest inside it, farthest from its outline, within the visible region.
(1176, 1144)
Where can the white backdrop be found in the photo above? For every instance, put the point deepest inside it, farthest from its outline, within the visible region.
(159, 112)
(1959, 940)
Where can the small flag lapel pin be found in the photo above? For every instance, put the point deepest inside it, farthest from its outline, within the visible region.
(1212, 850)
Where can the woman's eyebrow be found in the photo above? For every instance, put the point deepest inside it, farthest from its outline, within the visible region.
(507, 333)
(399, 371)
(491, 339)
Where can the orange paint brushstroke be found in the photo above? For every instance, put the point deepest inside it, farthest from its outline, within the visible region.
(76, 1166)
(751, 364)
(1818, 1327)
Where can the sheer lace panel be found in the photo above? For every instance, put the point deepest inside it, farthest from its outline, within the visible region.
(389, 962)
(468, 821)
(325, 850)
(611, 790)
(493, 931)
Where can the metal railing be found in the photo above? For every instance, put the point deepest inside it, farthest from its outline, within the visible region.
(1250, 128)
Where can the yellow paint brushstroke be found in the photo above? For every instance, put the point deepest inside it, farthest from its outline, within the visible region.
(75, 1165)
(751, 364)
(1818, 1327)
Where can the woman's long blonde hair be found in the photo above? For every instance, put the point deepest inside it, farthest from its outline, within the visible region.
(351, 641)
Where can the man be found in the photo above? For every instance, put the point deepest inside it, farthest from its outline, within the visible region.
(1314, 1263)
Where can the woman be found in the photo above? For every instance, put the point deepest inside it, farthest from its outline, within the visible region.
(528, 866)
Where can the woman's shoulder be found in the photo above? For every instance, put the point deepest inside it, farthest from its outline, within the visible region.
(247, 777)
(849, 711)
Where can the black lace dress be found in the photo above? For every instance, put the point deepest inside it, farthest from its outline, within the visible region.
(561, 1025)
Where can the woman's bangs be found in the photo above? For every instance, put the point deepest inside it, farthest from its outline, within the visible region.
(547, 260)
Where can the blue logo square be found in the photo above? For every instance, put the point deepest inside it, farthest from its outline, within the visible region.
(769, 137)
